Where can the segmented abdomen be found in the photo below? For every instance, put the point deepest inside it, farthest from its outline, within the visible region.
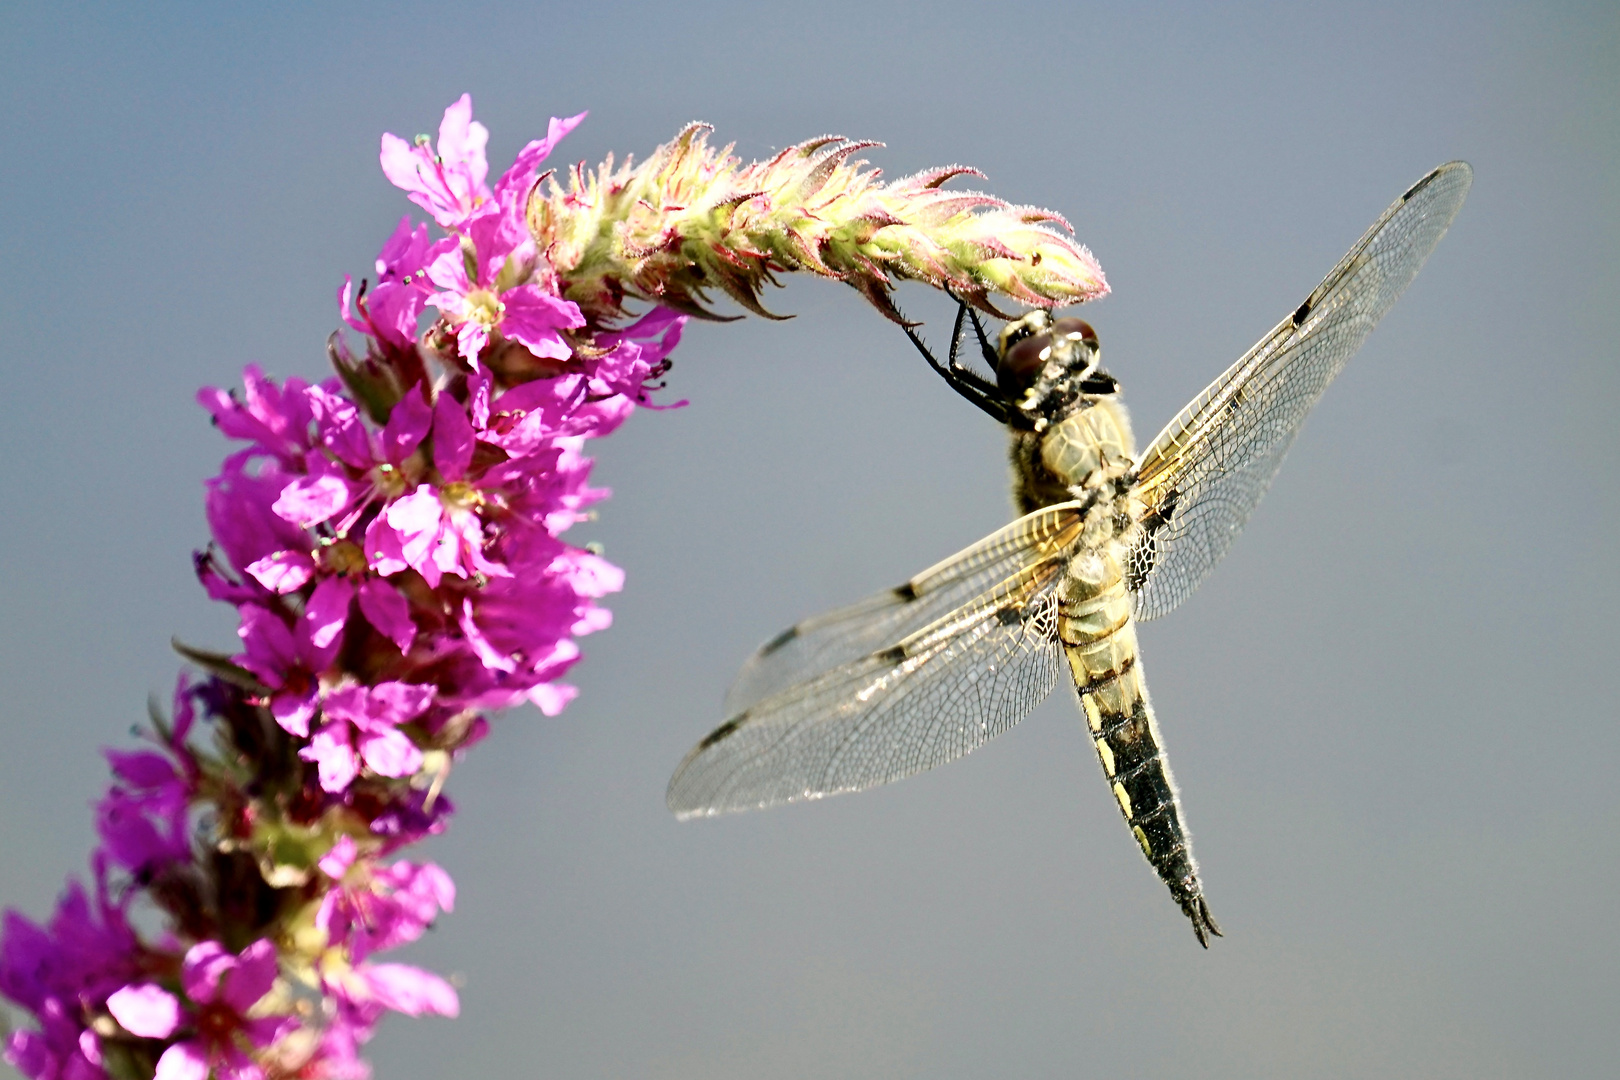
(1099, 637)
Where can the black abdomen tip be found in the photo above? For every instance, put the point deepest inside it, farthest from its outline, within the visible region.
(1203, 923)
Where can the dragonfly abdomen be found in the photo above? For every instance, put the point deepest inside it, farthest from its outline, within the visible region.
(1099, 638)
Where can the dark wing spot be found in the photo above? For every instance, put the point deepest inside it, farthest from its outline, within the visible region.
(779, 640)
(722, 731)
(1008, 615)
(1302, 313)
(893, 654)
(906, 593)
(1411, 191)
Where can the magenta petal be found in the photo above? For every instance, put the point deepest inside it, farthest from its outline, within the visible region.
(552, 698)
(491, 657)
(411, 990)
(130, 835)
(462, 140)
(328, 610)
(439, 885)
(284, 571)
(90, 1047)
(146, 1010)
(312, 500)
(453, 441)
(533, 317)
(591, 575)
(515, 181)
(417, 518)
(395, 310)
(267, 1030)
(29, 1054)
(403, 253)
(347, 704)
(470, 341)
(445, 556)
(141, 768)
(336, 862)
(448, 270)
(387, 610)
(399, 162)
(254, 975)
(271, 650)
(403, 701)
(334, 758)
(384, 547)
(407, 425)
(478, 397)
(205, 964)
(77, 1068)
(448, 184)
(341, 430)
(293, 712)
(390, 753)
(417, 512)
(183, 1061)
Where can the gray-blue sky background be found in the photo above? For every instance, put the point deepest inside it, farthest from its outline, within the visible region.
(1392, 709)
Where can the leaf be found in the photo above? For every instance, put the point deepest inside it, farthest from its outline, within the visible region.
(220, 665)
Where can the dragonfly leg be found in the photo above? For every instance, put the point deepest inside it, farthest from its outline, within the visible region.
(987, 350)
(970, 384)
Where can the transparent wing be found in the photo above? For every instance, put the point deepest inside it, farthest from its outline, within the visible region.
(1205, 472)
(1001, 559)
(938, 693)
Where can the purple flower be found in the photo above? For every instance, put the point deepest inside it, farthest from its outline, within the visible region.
(447, 182)
(276, 419)
(222, 987)
(374, 908)
(255, 539)
(289, 660)
(142, 819)
(419, 812)
(481, 274)
(362, 725)
(390, 312)
(88, 951)
(479, 294)
(435, 530)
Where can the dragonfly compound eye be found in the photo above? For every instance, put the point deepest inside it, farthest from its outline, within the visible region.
(1022, 363)
(1075, 329)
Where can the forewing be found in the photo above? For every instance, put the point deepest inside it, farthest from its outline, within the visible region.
(1001, 560)
(938, 693)
(1206, 471)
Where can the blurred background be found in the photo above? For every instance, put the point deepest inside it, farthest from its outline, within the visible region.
(1392, 710)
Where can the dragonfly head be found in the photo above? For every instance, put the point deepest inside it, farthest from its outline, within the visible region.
(1047, 364)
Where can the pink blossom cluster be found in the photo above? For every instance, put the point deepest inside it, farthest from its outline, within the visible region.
(391, 541)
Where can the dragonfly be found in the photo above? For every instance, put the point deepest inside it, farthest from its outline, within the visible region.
(931, 669)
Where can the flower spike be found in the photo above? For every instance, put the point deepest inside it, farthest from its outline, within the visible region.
(691, 219)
